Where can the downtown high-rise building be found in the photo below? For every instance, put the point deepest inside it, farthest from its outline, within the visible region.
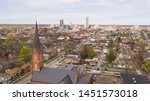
(62, 23)
(86, 22)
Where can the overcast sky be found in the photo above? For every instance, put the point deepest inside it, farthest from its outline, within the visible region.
(51, 11)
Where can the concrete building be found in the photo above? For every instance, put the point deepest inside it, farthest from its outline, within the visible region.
(86, 22)
(62, 23)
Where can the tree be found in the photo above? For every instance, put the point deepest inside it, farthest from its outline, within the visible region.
(68, 47)
(110, 44)
(48, 42)
(12, 45)
(25, 54)
(119, 40)
(141, 53)
(131, 44)
(84, 52)
(147, 66)
(110, 57)
(87, 52)
(91, 53)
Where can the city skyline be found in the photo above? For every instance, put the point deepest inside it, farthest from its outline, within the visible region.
(117, 12)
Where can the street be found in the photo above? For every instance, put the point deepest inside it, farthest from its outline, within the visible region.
(55, 62)
(25, 80)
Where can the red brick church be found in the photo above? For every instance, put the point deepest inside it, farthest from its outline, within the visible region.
(47, 75)
(37, 53)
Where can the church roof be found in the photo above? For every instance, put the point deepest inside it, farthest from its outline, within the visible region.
(54, 76)
(36, 43)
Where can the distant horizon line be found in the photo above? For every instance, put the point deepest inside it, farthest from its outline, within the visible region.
(81, 24)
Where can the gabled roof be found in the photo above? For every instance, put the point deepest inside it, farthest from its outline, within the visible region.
(67, 80)
(54, 76)
(36, 42)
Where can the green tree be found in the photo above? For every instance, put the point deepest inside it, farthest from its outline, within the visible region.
(84, 52)
(87, 52)
(25, 54)
(147, 66)
(91, 53)
(110, 57)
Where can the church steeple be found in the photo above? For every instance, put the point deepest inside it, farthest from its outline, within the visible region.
(37, 52)
(37, 43)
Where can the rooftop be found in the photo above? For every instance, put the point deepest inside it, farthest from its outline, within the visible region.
(52, 75)
(134, 79)
(107, 79)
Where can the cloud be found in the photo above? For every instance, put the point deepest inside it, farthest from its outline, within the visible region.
(46, 3)
(99, 11)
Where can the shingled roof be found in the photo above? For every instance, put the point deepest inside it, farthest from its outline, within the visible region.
(54, 76)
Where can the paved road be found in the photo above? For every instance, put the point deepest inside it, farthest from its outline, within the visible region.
(25, 80)
(55, 62)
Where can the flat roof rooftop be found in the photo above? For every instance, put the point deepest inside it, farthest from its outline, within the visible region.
(134, 79)
(107, 79)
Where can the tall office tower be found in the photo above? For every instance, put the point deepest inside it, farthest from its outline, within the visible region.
(87, 22)
(62, 23)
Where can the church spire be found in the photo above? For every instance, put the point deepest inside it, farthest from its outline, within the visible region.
(37, 52)
(36, 43)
